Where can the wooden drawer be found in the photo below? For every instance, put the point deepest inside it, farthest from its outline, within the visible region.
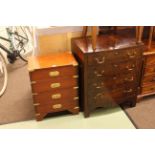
(148, 79)
(148, 89)
(112, 69)
(105, 57)
(112, 82)
(53, 72)
(111, 97)
(149, 70)
(150, 60)
(57, 96)
(53, 84)
(56, 107)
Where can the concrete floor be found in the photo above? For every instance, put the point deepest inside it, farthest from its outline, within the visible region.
(100, 119)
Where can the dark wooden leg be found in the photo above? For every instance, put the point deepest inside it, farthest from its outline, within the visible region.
(133, 102)
(86, 113)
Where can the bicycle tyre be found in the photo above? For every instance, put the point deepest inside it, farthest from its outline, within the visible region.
(3, 68)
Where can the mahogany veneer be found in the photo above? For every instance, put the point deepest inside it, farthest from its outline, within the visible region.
(110, 74)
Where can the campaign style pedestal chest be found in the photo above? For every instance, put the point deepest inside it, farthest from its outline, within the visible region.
(54, 81)
(110, 75)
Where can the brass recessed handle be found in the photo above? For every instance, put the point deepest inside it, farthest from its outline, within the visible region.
(55, 85)
(100, 61)
(56, 96)
(57, 106)
(54, 73)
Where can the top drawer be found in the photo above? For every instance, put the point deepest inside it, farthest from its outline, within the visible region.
(54, 72)
(117, 55)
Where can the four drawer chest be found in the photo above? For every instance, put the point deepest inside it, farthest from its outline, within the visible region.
(54, 81)
(110, 75)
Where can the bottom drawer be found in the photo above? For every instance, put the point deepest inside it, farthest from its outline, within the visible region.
(56, 107)
(111, 97)
(148, 89)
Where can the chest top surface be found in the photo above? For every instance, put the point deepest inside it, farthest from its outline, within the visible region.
(106, 43)
(51, 60)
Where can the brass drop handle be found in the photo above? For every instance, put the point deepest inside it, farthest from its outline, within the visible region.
(128, 91)
(116, 53)
(99, 74)
(99, 95)
(131, 55)
(128, 79)
(130, 69)
(98, 86)
(100, 61)
(115, 65)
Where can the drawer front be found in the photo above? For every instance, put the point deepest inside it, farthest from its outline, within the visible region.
(112, 69)
(62, 95)
(101, 58)
(150, 60)
(148, 89)
(112, 82)
(54, 72)
(111, 96)
(51, 85)
(56, 107)
(149, 70)
(148, 79)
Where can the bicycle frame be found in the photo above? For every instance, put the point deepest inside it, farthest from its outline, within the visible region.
(11, 50)
(3, 47)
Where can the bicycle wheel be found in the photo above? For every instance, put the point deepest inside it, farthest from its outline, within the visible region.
(3, 75)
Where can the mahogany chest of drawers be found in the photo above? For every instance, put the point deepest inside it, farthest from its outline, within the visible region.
(110, 75)
(54, 81)
(148, 75)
